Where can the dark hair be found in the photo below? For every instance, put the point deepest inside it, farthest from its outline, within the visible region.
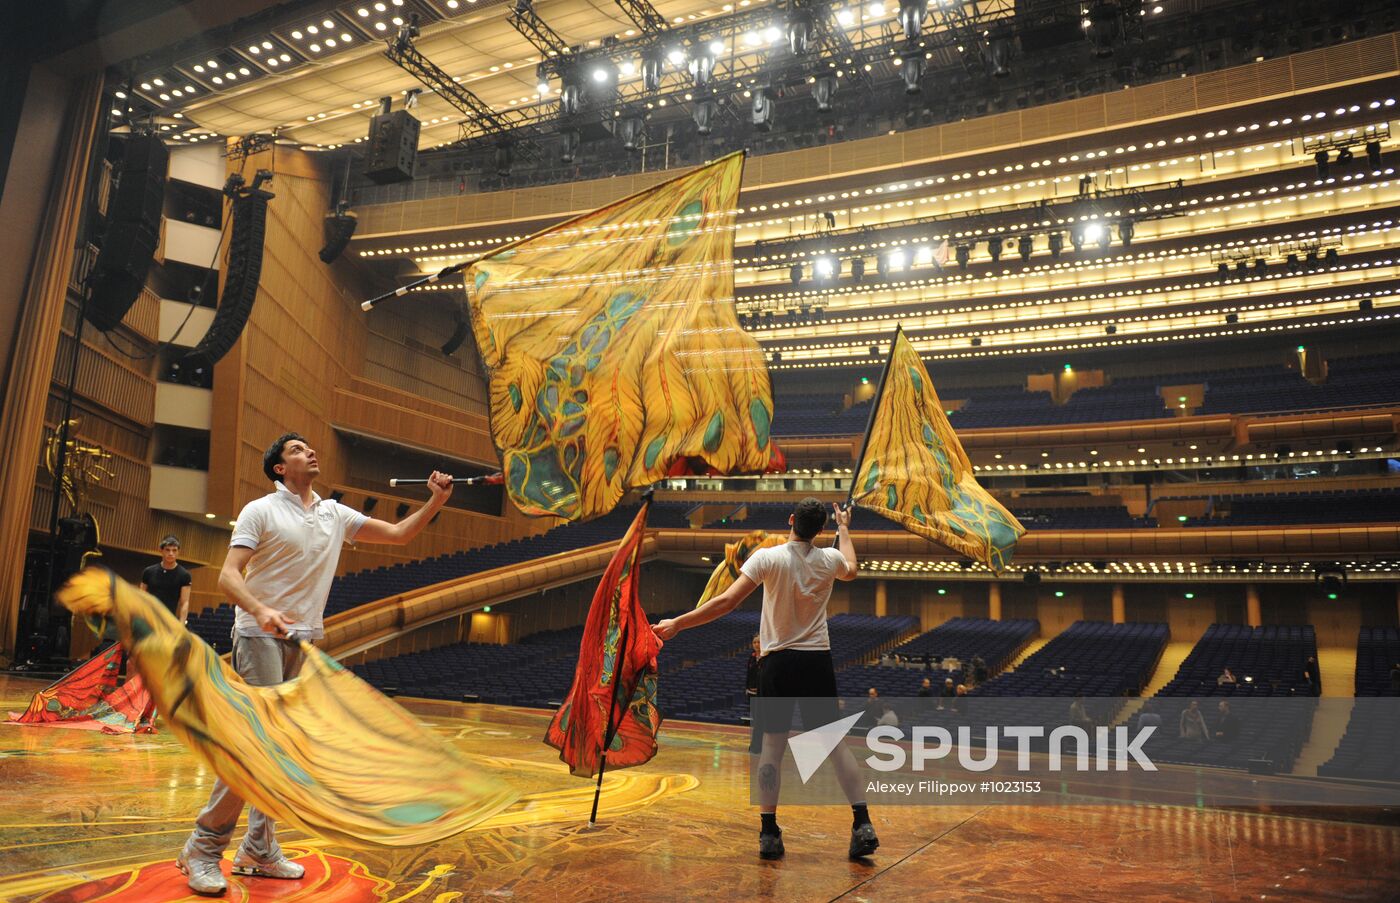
(808, 518)
(273, 455)
(170, 540)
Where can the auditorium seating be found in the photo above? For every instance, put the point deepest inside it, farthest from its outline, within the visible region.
(1090, 658)
(997, 642)
(702, 670)
(1351, 382)
(773, 517)
(1368, 748)
(1352, 506)
(1267, 661)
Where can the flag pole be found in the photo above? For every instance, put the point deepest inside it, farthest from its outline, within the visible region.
(612, 697)
(870, 419)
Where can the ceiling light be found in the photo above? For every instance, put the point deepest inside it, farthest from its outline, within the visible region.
(846, 18)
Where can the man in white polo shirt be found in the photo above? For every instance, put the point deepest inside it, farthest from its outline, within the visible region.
(280, 564)
(796, 661)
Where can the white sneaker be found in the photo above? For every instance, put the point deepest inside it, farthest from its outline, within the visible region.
(284, 868)
(205, 878)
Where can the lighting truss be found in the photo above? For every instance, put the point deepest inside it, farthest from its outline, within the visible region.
(644, 16)
(532, 28)
(481, 119)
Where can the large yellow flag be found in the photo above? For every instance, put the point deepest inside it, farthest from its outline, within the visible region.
(914, 470)
(324, 752)
(614, 350)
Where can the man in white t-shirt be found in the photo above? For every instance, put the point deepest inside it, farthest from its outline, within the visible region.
(281, 561)
(796, 661)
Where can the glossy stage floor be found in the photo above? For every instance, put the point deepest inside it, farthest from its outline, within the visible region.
(89, 817)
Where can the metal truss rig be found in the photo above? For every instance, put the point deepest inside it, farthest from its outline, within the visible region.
(486, 121)
(740, 68)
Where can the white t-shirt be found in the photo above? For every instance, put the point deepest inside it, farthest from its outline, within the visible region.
(296, 551)
(797, 580)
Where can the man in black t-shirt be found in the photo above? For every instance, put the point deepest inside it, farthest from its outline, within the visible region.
(169, 582)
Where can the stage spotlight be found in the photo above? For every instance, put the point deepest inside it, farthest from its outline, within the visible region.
(1057, 243)
(795, 273)
(912, 70)
(1310, 261)
(962, 253)
(858, 269)
(823, 89)
(569, 141)
(799, 31)
(1093, 233)
(504, 158)
(1242, 267)
(1292, 263)
(763, 109)
(570, 96)
(651, 68)
(1223, 270)
(824, 269)
(676, 56)
(1321, 159)
(702, 64)
(1126, 229)
(911, 18)
(1101, 26)
(994, 248)
(1344, 156)
(632, 131)
(1110, 329)
(704, 115)
(999, 49)
(1025, 246)
(898, 260)
(541, 80)
(1373, 155)
(1076, 238)
(1260, 266)
(1330, 256)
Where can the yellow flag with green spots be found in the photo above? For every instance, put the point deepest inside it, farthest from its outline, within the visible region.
(614, 351)
(914, 470)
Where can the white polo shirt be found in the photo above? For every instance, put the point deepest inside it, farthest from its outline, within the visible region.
(797, 579)
(295, 553)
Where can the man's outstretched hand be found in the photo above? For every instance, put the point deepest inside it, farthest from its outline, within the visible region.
(665, 630)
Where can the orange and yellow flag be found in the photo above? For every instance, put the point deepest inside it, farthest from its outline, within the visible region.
(914, 470)
(614, 351)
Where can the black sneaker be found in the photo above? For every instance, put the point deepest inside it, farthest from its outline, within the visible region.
(863, 841)
(770, 846)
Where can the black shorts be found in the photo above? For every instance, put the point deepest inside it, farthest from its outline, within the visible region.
(792, 677)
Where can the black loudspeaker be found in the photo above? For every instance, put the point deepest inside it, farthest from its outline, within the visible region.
(393, 147)
(1364, 304)
(1232, 318)
(241, 285)
(132, 234)
(337, 228)
(459, 335)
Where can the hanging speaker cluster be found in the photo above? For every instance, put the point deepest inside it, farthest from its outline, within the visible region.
(132, 233)
(338, 227)
(244, 270)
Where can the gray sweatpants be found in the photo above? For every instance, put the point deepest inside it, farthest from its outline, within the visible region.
(262, 661)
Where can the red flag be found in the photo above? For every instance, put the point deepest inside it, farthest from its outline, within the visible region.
(88, 697)
(616, 674)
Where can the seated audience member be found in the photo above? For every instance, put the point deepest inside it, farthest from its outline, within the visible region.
(1150, 717)
(1193, 723)
(1226, 677)
(873, 708)
(1079, 716)
(926, 688)
(888, 716)
(1227, 725)
(1395, 678)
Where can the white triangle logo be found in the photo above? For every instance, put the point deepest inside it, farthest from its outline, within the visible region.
(810, 748)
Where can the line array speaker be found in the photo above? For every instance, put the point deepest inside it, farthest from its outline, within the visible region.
(132, 234)
(241, 285)
(393, 147)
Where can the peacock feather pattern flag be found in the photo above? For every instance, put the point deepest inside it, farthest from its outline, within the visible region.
(735, 554)
(614, 351)
(324, 752)
(914, 470)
